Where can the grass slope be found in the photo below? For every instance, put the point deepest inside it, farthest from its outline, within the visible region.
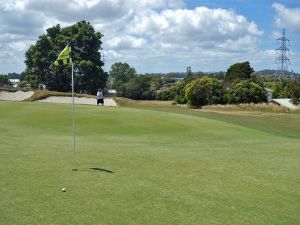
(169, 166)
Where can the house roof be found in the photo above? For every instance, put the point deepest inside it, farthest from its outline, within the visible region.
(14, 80)
(269, 90)
(286, 102)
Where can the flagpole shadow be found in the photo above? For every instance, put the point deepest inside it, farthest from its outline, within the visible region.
(96, 169)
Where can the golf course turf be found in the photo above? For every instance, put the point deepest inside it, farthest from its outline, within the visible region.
(139, 166)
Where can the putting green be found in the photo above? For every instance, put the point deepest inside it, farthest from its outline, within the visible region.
(144, 167)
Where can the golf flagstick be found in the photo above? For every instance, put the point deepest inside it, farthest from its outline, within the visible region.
(73, 122)
(64, 58)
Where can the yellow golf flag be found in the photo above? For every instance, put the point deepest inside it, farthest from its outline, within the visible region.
(64, 57)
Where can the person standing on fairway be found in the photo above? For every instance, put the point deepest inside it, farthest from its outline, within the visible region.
(100, 99)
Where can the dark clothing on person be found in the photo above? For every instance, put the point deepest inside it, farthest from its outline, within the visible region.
(100, 101)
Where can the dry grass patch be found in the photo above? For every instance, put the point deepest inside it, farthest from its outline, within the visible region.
(241, 109)
(262, 107)
(129, 102)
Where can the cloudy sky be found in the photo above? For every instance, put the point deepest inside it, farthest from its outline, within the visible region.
(160, 35)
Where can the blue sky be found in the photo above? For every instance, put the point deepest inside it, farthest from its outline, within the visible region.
(264, 15)
(259, 11)
(160, 35)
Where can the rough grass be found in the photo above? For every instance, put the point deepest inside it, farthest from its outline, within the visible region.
(142, 103)
(160, 166)
(261, 107)
(248, 108)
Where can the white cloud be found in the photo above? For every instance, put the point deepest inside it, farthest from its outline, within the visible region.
(202, 28)
(17, 5)
(288, 18)
(160, 4)
(276, 34)
(125, 42)
(19, 46)
(144, 33)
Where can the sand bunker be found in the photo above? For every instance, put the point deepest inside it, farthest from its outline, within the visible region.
(21, 95)
(83, 100)
(15, 96)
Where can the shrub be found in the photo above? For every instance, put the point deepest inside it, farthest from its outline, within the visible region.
(281, 88)
(166, 94)
(294, 89)
(24, 84)
(171, 92)
(180, 99)
(204, 91)
(246, 92)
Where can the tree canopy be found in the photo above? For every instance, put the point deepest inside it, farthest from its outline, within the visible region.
(239, 71)
(294, 88)
(120, 74)
(86, 44)
(4, 80)
(246, 91)
(204, 91)
(140, 88)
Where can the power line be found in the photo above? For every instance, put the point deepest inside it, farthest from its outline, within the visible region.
(283, 52)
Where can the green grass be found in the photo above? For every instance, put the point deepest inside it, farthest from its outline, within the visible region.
(170, 166)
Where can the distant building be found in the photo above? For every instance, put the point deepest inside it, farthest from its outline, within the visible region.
(14, 82)
(270, 93)
(178, 78)
(111, 92)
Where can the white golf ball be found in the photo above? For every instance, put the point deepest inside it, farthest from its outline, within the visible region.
(63, 189)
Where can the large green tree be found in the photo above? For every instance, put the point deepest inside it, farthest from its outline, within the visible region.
(120, 74)
(86, 46)
(239, 71)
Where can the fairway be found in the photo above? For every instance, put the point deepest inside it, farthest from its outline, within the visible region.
(147, 167)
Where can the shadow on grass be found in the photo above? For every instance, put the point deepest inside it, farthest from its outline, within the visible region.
(95, 169)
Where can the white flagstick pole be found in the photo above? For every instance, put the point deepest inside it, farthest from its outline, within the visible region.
(73, 122)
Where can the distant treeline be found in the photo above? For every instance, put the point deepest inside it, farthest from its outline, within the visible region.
(14, 75)
(219, 75)
(240, 84)
(268, 72)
